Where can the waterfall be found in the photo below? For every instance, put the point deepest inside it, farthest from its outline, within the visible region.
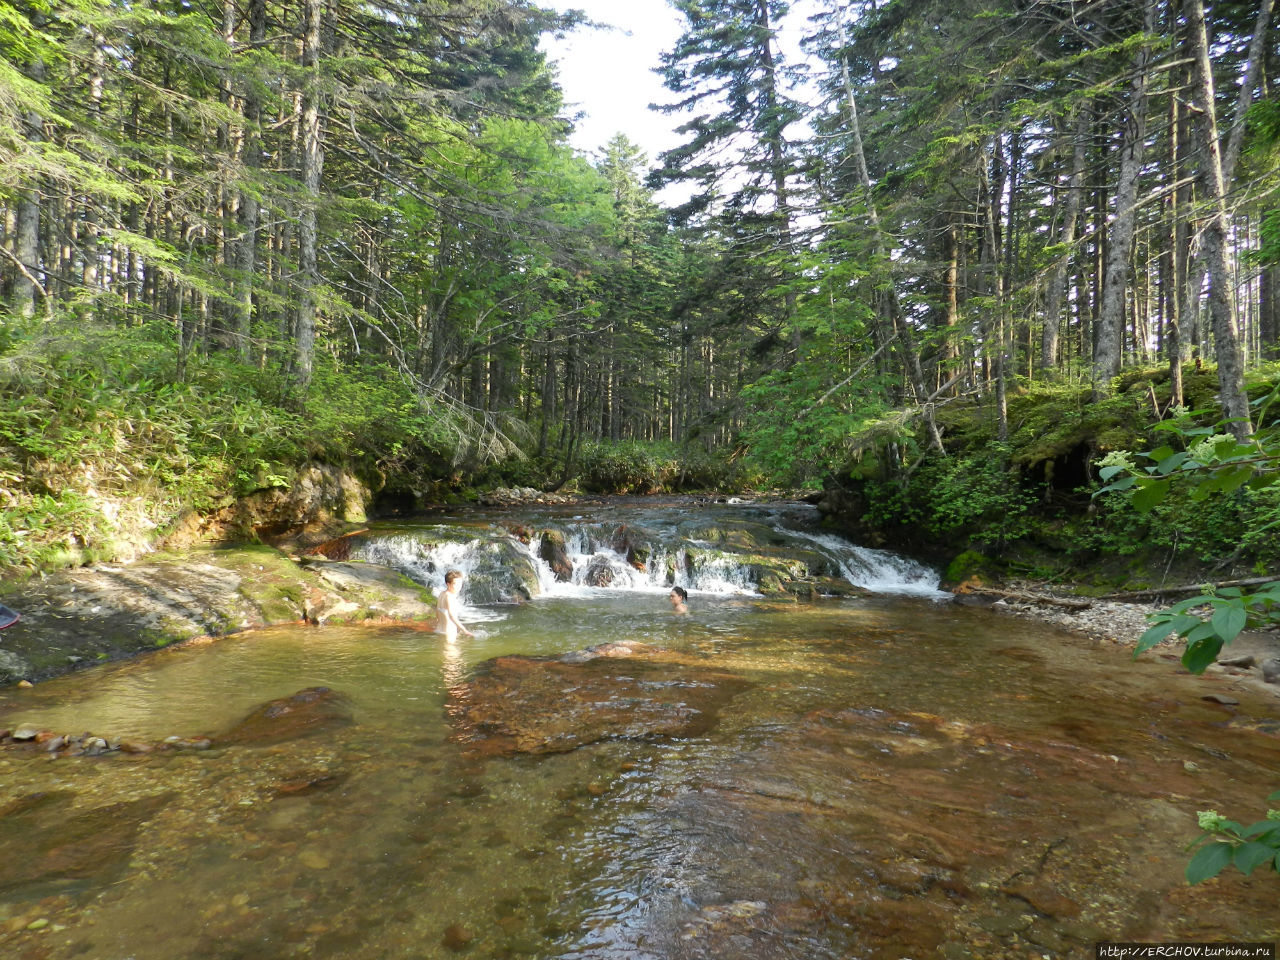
(877, 570)
(717, 556)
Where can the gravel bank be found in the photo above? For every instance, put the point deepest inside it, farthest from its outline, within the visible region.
(1112, 621)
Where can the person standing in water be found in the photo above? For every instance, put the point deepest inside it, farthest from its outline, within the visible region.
(447, 605)
(678, 597)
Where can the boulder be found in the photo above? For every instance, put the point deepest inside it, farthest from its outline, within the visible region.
(599, 572)
(49, 839)
(552, 550)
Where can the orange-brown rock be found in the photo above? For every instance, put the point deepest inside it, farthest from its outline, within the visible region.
(534, 705)
(307, 713)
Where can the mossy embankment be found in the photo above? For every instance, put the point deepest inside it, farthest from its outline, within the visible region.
(1024, 507)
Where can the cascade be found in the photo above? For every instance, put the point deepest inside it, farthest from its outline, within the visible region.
(879, 571)
(729, 557)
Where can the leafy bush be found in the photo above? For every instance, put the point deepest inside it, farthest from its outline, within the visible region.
(643, 468)
(101, 438)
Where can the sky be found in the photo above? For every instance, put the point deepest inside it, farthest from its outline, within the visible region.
(608, 74)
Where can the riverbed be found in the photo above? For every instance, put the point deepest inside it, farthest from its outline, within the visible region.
(886, 775)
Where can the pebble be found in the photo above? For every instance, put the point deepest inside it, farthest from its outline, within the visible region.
(457, 937)
(313, 860)
(26, 732)
(38, 924)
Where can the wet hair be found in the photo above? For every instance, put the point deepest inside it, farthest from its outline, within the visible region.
(451, 576)
(681, 592)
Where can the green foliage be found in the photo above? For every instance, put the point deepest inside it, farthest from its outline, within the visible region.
(1205, 464)
(977, 499)
(1226, 843)
(100, 439)
(644, 468)
(978, 495)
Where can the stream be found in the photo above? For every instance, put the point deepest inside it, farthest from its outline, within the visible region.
(870, 772)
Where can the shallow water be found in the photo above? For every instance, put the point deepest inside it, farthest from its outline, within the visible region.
(894, 777)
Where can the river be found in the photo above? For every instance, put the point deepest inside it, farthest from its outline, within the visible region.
(874, 775)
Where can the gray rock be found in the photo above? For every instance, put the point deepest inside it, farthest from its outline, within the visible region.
(1271, 670)
(26, 732)
(12, 667)
(1245, 661)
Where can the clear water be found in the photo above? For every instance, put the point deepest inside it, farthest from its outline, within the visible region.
(899, 777)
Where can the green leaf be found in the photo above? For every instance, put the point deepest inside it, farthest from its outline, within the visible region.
(1201, 631)
(1171, 463)
(1201, 653)
(1228, 621)
(1122, 484)
(1106, 473)
(1264, 831)
(1151, 494)
(1249, 856)
(1209, 861)
(1152, 636)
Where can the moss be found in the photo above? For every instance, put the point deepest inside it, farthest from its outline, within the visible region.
(424, 594)
(968, 565)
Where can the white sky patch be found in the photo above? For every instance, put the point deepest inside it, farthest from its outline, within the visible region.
(608, 75)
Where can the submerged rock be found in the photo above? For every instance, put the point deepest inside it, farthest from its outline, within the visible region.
(532, 705)
(305, 714)
(48, 840)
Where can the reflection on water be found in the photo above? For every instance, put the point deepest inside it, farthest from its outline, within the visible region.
(897, 778)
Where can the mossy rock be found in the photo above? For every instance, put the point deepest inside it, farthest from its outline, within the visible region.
(970, 565)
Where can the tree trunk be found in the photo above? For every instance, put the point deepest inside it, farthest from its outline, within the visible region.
(901, 327)
(311, 157)
(1066, 238)
(26, 246)
(1227, 347)
(1108, 350)
(246, 262)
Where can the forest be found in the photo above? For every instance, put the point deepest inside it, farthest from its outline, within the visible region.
(244, 234)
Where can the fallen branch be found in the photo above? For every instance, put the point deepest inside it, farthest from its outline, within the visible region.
(1028, 598)
(1187, 588)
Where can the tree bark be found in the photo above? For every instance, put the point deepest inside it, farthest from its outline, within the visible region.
(1226, 335)
(26, 246)
(1108, 350)
(311, 157)
(246, 262)
(1066, 238)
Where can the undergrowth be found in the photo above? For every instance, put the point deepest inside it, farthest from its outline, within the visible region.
(1028, 502)
(101, 440)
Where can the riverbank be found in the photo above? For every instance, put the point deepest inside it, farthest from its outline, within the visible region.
(1123, 623)
(76, 618)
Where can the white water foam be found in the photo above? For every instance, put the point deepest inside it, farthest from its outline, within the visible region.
(598, 566)
(877, 570)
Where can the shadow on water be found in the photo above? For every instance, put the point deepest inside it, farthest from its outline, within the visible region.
(881, 778)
